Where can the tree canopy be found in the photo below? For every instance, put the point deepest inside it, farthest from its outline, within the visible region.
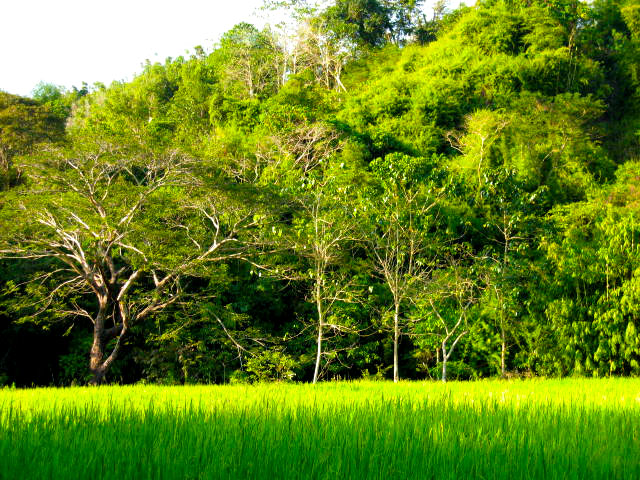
(375, 192)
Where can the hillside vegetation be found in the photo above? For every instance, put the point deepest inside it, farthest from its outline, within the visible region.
(370, 193)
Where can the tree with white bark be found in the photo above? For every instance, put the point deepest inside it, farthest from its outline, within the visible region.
(323, 233)
(322, 52)
(400, 234)
(251, 60)
(443, 311)
(323, 227)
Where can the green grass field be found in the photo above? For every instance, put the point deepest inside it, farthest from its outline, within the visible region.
(492, 429)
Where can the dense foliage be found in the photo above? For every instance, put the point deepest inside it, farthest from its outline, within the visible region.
(376, 194)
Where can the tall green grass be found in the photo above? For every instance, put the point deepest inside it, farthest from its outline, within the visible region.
(519, 429)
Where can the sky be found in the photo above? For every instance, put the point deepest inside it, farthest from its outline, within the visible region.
(67, 42)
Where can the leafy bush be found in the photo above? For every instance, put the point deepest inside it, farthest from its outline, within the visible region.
(271, 365)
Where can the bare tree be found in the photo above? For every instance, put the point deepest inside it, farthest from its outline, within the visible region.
(506, 227)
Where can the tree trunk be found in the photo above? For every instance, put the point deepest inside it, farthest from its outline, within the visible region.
(97, 348)
(99, 375)
(445, 357)
(503, 355)
(396, 340)
(444, 369)
(98, 365)
(503, 333)
(316, 372)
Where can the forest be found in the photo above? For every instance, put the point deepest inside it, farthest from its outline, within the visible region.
(364, 191)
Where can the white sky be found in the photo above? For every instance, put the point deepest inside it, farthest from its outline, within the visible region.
(66, 42)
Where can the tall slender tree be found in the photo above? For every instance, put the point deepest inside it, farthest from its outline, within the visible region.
(400, 233)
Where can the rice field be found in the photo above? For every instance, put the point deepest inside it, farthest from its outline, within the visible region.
(569, 429)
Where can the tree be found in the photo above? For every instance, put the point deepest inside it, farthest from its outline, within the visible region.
(443, 308)
(406, 18)
(482, 130)
(323, 238)
(122, 228)
(372, 23)
(23, 124)
(399, 223)
(364, 22)
(250, 60)
(304, 158)
(56, 98)
(510, 221)
(593, 293)
(323, 52)
(322, 233)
